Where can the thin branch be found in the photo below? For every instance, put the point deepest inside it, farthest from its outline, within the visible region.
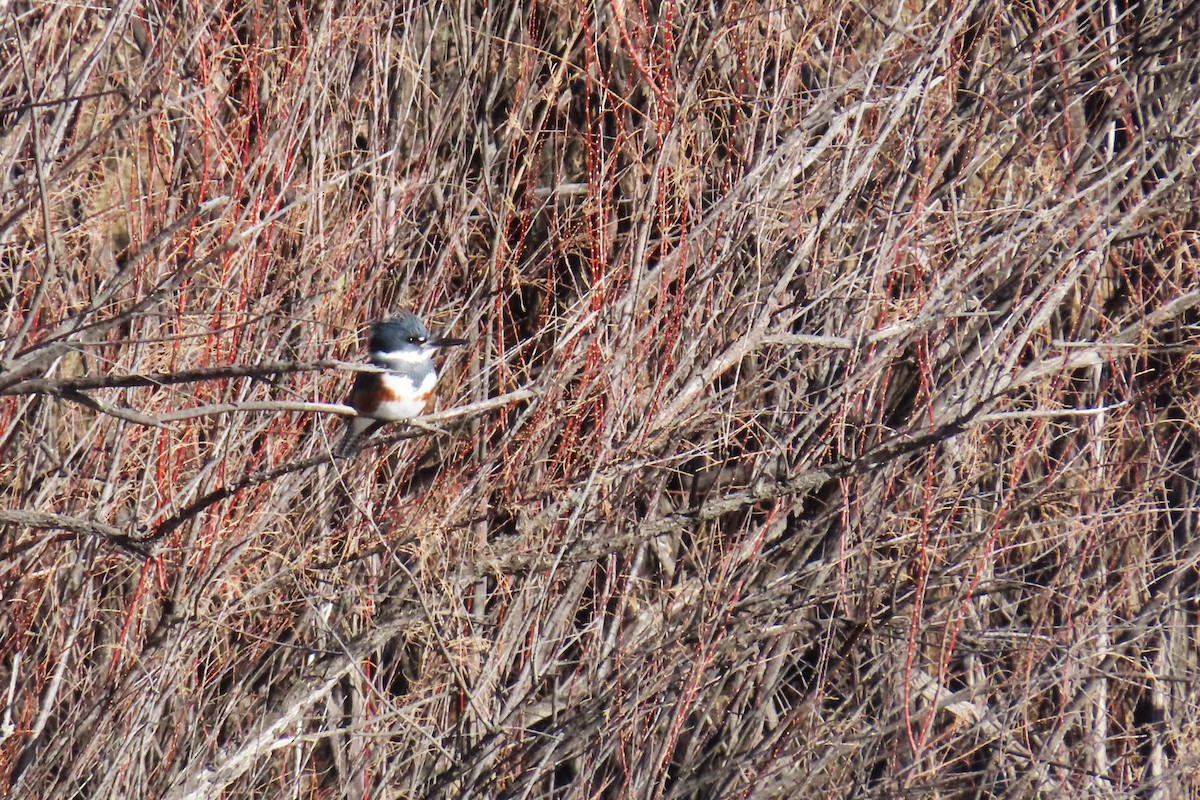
(126, 414)
(82, 527)
(343, 410)
(39, 167)
(216, 409)
(131, 381)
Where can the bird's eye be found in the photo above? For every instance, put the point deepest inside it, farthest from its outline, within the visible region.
(416, 340)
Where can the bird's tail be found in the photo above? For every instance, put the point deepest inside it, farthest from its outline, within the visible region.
(357, 429)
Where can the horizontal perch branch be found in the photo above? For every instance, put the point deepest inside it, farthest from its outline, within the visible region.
(132, 381)
(42, 520)
(342, 410)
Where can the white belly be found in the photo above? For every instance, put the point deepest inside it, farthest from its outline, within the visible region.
(412, 397)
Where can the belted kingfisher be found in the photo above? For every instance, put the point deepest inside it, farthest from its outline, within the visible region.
(404, 348)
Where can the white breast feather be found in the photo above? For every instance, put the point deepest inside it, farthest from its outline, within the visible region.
(402, 386)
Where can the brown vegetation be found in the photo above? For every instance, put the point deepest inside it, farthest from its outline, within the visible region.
(847, 434)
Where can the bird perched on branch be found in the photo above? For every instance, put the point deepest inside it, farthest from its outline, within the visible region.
(403, 347)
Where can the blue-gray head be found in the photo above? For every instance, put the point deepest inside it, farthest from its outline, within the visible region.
(405, 338)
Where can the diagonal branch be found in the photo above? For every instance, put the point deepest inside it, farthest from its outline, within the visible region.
(271, 733)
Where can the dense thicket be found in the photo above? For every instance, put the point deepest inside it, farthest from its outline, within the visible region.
(848, 440)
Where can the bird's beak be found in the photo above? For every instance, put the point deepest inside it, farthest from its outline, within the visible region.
(442, 341)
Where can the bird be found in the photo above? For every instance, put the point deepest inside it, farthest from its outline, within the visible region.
(403, 348)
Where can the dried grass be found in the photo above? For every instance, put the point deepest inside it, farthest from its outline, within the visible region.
(862, 460)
